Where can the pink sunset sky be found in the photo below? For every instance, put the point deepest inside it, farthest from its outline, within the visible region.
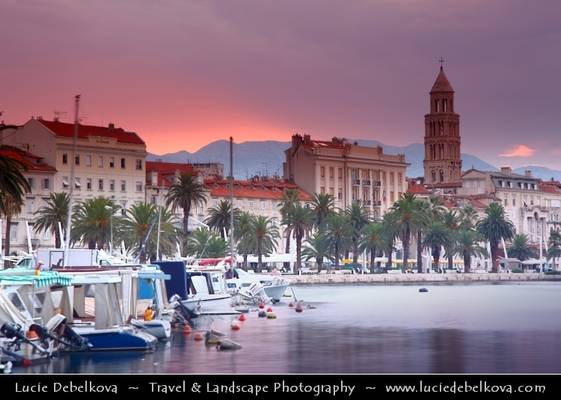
(185, 73)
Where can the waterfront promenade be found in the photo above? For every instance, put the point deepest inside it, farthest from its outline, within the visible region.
(398, 278)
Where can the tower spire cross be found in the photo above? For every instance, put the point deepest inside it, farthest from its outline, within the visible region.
(441, 61)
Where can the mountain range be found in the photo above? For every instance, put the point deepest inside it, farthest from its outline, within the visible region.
(265, 158)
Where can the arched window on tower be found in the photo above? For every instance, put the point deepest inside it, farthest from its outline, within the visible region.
(441, 176)
(444, 105)
(433, 176)
(436, 106)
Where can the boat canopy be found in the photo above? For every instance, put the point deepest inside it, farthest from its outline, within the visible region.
(27, 277)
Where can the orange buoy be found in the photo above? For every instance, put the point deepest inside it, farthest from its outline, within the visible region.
(299, 307)
(235, 326)
(242, 317)
(270, 309)
(290, 304)
(187, 329)
(198, 336)
(261, 305)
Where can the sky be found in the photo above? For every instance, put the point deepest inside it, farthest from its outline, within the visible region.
(185, 73)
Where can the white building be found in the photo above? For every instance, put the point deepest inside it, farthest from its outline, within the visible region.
(347, 171)
(109, 161)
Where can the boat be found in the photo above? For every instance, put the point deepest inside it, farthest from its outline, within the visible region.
(274, 286)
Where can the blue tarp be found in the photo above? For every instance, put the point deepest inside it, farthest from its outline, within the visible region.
(178, 282)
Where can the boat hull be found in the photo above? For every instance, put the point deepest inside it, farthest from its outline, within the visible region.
(211, 303)
(115, 339)
(275, 292)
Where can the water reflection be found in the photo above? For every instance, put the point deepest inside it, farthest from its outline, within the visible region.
(370, 329)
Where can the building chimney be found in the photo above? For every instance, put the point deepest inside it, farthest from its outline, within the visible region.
(111, 126)
(506, 170)
(528, 173)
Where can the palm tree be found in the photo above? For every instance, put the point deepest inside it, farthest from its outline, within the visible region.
(494, 227)
(339, 231)
(436, 237)
(219, 217)
(371, 241)
(141, 220)
(204, 243)
(358, 218)
(266, 234)
(316, 248)
(390, 231)
(520, 248)
(289, 199)
(11, 207)
(452, 223)
(244, 236)
(300, 222)
(52, 214)
(12, 183)
(554, 250)
(467, 245)
(467, 217)
(13, 187)
(185, 193)
(405, 212)
(422, 221)
(322, 206)
(91, 223)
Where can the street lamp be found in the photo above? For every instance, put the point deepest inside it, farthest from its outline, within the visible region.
(110, 209)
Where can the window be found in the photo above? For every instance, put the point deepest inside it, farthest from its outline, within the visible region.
(433, 176)
(30, 183)
(30, 205)
(77, 183)
(331, 172)
(89, 160)
(251, 204)
(154, 200)
(100, 162)
(322, 172)
(123, 163)
(441, 176)
(340, 195)
(112, 185)
(111, 162)
(65, 182)
(322, 190)
(332, 191)
(77, 159)
(263, 205)
(139, 186)
(100, 184)
(14, 232)
(123, 186)
(89, 184)
(46, 184)
(340, 173)
(139, 164)
(65, 158)
(513, 201)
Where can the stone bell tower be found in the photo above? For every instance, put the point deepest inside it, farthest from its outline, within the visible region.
(443, 162)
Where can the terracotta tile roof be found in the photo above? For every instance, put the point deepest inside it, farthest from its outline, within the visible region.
(268, 189)
(417, 188)
(67, 130)
(32, 163)
(166, 171)
(550, 187)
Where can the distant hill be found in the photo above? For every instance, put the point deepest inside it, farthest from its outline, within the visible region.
(266, 158)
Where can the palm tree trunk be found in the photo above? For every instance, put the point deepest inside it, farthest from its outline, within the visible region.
(319, 262)
(58, 244)
(419, 251)
(436, 257)
(259, 256)
(406, 238)
(450, 261)
(186, 212)
(355, 251)
(494, 257)
(372, 259)
(298, 253)
(467, 262)
(287, 247)
(390, 259)
(336, 255)
(245, 262)
(8, 237)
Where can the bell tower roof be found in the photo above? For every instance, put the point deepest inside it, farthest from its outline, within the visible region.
(441, 85)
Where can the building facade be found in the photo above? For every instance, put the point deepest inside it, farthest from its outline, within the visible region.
(442, 162)
(347, 171)
(109, 161)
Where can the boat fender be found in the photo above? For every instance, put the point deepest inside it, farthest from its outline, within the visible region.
(187, 329)
(290, 304)
(242, 317)
(198, 336)
(261, 305)
(299, 307)
(271, 315)
(423, 290)
(262, 314)
(270, 309)
(226, 344)
(235, 326)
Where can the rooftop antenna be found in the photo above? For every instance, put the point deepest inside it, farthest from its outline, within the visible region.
(58, 114)
(441, 61)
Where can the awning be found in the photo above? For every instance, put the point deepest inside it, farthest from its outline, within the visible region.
(45, 278)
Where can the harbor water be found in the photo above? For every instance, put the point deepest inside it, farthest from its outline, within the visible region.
(471, 328)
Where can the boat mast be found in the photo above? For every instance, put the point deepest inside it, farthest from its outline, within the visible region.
(71, 183)
(231, 179)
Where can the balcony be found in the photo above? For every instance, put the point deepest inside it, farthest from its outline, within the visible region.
(377, 203)
(376, 183)
(366, 182)
(368, 202)
(356, 182)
